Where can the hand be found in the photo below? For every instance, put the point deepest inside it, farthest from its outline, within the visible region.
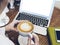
(11, 26)
(36, 40)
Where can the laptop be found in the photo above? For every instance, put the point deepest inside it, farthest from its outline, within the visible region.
(39, 12)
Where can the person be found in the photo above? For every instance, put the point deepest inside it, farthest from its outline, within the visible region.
(4, 40)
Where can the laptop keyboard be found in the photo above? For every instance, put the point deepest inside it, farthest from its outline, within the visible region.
(37, 20)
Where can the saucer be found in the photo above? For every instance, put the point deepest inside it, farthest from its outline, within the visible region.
(4, 20)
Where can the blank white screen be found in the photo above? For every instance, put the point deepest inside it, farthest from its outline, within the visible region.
(42, 7)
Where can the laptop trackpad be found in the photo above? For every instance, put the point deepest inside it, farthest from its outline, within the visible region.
(40, 30)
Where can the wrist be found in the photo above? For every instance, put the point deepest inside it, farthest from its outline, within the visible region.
(7, 28)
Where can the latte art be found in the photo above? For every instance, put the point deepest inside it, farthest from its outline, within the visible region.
(25, 26)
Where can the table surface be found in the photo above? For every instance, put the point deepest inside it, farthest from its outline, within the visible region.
(55, 22)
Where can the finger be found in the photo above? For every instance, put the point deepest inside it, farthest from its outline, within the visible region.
(29, 41)
(19, 21)
(24, 21)
(15, 29)
(16, 21)
(36, 39)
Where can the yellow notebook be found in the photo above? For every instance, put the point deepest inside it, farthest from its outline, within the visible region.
(54, 34)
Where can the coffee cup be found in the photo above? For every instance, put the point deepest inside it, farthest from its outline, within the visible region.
(25, 28)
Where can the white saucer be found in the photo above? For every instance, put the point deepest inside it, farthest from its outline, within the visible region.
(4, 20)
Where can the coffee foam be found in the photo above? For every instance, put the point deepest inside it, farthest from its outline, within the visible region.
(25, 26)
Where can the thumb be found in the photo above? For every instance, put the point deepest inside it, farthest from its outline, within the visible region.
(29, 41)
(36, 39)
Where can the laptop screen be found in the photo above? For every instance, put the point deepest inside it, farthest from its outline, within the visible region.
(39, 7)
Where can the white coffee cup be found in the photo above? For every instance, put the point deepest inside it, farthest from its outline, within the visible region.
(25, 28)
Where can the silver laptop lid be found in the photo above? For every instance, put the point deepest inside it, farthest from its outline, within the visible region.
(38, 7)
(42, 8)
